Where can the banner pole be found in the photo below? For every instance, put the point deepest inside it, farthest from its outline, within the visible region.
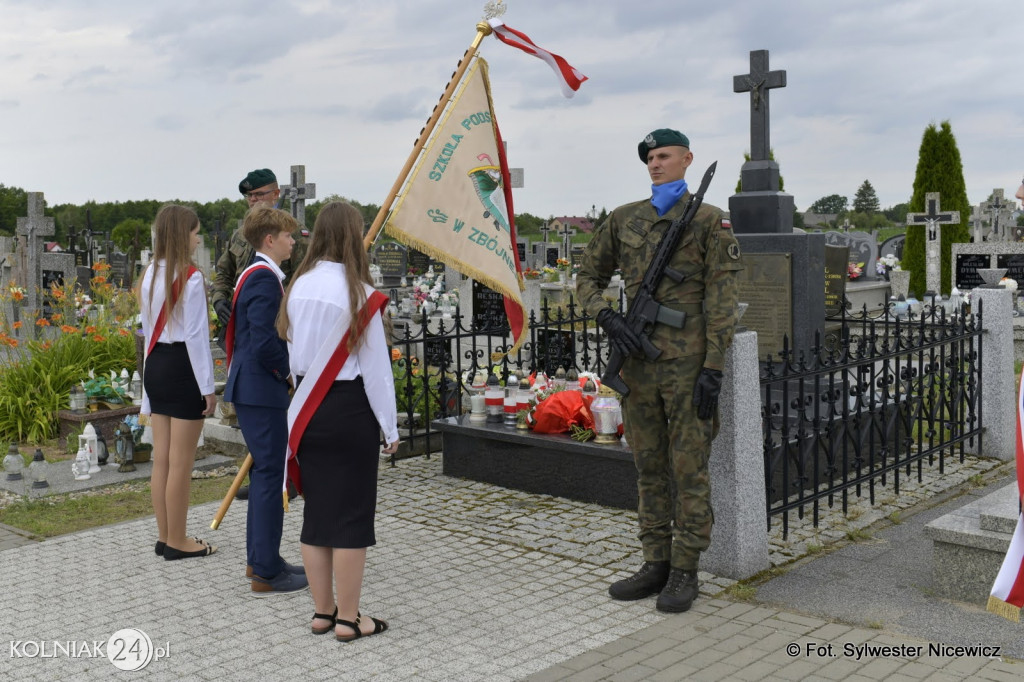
(483, 29)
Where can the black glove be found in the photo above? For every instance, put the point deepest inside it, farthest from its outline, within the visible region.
(223, 310)
(705, 395)
(619, 333)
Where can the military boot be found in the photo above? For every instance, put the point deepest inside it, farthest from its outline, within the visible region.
(650, 579)
(679, 592)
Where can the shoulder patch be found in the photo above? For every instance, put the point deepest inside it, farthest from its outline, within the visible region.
(726, 224)
(304, 232)
(733, 250)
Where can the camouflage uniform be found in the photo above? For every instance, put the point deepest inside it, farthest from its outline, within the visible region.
(670, 444)
(238, 256)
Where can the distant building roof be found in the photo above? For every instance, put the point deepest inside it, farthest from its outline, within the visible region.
(52, 246)
(581, 224)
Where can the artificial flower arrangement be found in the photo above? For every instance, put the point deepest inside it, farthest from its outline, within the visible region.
(1008, 283)
(562, 264)
(532, 273)
(854, 270)
(429, 287)
(887, 263)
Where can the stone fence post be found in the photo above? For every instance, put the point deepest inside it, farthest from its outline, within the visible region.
(998, 381)
(739, 537)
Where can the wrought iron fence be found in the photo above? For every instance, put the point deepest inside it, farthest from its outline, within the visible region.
(433, 365)
(877, 398)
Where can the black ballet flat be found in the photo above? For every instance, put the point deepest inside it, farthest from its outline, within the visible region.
(160, 546)
(173, 554)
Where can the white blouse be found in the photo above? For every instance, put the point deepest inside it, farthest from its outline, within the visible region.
(189, 323)
(316, 300)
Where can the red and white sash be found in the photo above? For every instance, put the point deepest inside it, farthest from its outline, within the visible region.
(1007, 596)
(161, 319)
(328, 362)
(229, 333)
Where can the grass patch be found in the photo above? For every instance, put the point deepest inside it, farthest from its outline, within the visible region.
(70, 513)
(894, 518)
(742, 592)
(876, 624)
(976, 481)
(814, 549)
(858, 535)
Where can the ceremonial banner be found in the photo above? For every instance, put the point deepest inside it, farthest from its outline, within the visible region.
(1007, 596)
(457, 204)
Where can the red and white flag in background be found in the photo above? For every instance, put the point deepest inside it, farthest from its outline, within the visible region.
(1007, 596)
(568, 77)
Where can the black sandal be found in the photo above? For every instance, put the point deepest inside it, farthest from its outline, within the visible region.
(379, 626)
(323, 616)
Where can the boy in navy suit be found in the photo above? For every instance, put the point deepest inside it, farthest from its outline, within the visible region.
(258, 385)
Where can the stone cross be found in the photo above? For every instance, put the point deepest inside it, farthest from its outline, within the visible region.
(846, 224)
(933, 221)
(567, 232)
(757, 83)
(32, 228)
(997, 208)
(977, 222)
(297, 192)
(545, 228)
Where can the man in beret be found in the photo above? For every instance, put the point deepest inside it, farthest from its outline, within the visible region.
(258, 187)
(671, 413)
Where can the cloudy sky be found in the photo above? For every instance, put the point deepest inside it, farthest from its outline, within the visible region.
(114, 100)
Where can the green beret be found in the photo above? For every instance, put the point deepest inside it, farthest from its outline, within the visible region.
(662, 137)
(256, 179)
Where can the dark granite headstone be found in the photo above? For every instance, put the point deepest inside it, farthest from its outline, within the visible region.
(967, 266)
(555, 348)
(488, 308)
(836, 260)
(418, 262)
(551, 256)
(1014, 264)
(437, 352)
(576, 255)
(392, 259)
(893, 246)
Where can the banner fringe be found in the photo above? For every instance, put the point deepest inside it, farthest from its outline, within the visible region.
(1001, 608)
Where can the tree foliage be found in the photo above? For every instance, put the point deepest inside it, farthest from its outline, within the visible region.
(746, 157)
(939, 169)
(13, 205)
(865, 201)
(833, 204)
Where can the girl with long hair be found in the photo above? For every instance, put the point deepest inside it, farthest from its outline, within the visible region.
(331, 318)
(178, 376)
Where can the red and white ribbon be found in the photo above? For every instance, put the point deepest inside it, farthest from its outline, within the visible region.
(569, 78)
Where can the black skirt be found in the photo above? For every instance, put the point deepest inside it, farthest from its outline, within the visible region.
(171, 384)
(338, 457)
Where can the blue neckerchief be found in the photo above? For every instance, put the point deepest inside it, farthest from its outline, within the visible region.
(664, 197)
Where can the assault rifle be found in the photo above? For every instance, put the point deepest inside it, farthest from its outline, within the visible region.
(644, 311)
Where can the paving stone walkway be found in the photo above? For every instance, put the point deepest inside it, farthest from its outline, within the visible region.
(477, 582)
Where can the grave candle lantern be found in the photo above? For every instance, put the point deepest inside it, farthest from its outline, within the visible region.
(80, 466)
(523, 402)
(136, 388)
(37, 469)
(560, 379)
(572, 380)
(493, 397)
(510, 403)
(89, 433)
(13, 463)
(607, 416)
(477, 402)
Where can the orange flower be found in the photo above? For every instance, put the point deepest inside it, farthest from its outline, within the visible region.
(99, 279)
(98, 337)
(17, 295)
(13, 343)
(101, 266)
(68, 329)
(17, 325)
(42, 322)
(56, 317)
(45, 345)
(123, 332)
(57, 293)
(91, 329)
(396, 354)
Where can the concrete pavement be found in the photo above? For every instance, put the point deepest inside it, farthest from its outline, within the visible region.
(477, 583)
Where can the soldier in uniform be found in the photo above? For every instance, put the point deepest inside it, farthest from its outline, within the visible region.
(671, 413)
(258, 187)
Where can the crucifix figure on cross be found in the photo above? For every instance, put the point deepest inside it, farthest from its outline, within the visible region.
(757, 83)
(567, 232)
(933, 220)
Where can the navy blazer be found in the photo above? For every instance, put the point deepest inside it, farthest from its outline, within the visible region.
(259, 364)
